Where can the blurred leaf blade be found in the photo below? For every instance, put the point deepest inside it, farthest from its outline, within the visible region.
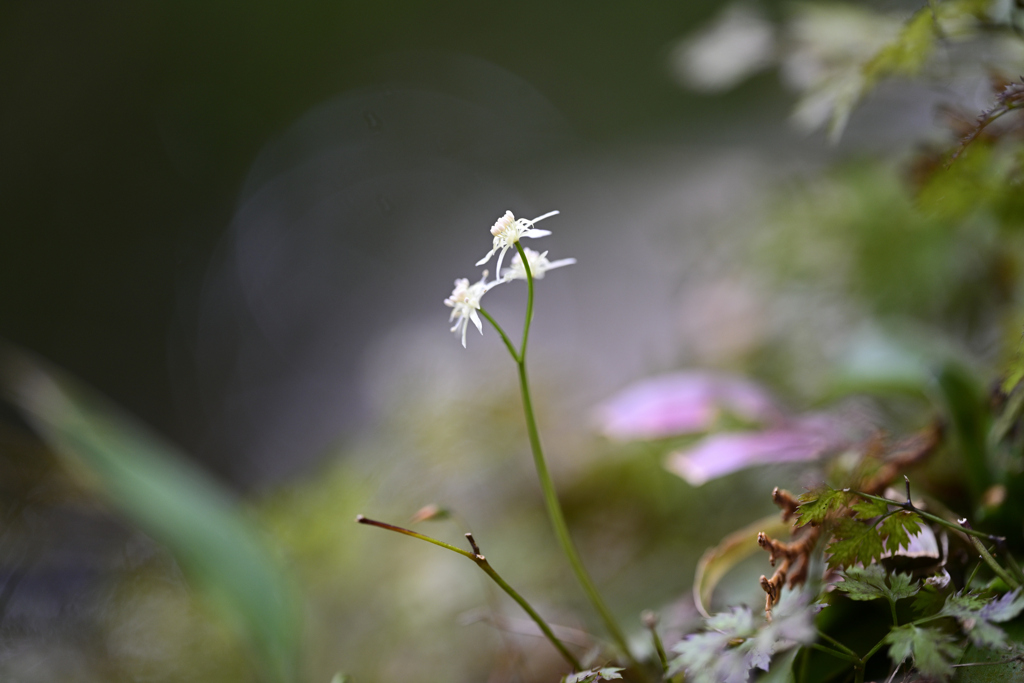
(153, 485)
(716, 562)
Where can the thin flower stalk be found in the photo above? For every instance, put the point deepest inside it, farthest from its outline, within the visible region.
(554, 508)
(484, 565)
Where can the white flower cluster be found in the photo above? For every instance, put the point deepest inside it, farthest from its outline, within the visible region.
(507, 231)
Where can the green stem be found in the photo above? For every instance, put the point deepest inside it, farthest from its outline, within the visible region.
(529, 302)
(835, 643)
(996, 568)
(970, 579)
(931, 617)
(504, 337)
(1014, 567)
(482, 562)
(554, 508)
(650, 620)
(835, 653)
(933, 518)
(872, 651)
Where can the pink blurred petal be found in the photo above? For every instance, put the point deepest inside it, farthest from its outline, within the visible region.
(682, 403)
(722, 454)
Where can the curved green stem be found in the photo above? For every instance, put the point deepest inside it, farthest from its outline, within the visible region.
(835, 653)
(504, 337)
(996, 568)
(650, 620)
(1014, 567)
(482, 562)
(838, 645)
(554, 508)
(872, 651)
(529, 302)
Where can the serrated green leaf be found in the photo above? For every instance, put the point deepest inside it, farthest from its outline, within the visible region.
(817, 506)
(903, 586)
(897, 530)
(869, 583)
(932, 650)
(853, 543)
(977, 615)
(869, 509)
(964, 603)
(1005, 608)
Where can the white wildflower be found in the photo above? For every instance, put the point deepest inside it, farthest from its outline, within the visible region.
(465, 302)
(539, 264)
(507, 230)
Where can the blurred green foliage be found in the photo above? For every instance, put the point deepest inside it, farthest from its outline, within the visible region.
(222, 553)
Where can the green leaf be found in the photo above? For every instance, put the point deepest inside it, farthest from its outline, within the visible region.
(898, 528)
(931, 650)
(153, 485)
(977, 615)
(817, 506)
(928, 600)
(853, 543)
(867, 508)
(1000, 666)
(908, 53)
(903, 586)
(1005, 608)
(868, 583)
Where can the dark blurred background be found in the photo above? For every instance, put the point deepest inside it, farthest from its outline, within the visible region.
(129, 129)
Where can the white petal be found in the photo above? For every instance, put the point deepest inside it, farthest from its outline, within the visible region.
(561, 262)
(487, 258)
(534, 233)
(476, 321)
(501, 256)
(549, 214)
(464, 326)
